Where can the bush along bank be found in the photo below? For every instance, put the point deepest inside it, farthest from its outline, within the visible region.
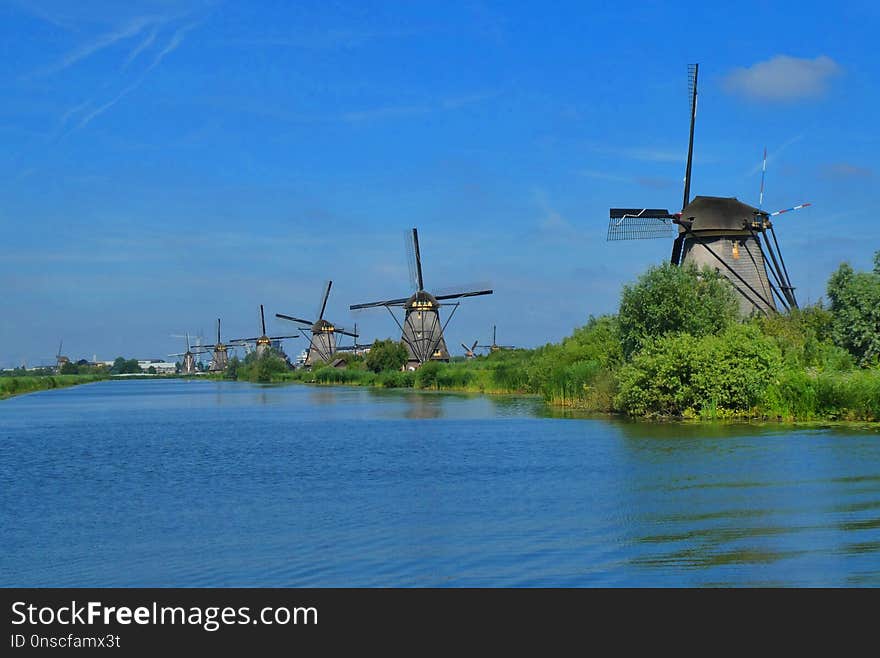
(20, 384)
(676, 348)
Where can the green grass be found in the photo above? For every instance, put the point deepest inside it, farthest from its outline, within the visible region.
(20, 385)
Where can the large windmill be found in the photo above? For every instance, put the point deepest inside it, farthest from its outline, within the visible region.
(219, 352)
(263, 342)
(495, 347)
(721, 232)
(323, 343)
(188, 363)
(421, 331)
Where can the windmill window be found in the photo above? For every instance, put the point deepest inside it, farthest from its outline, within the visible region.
(735, 249)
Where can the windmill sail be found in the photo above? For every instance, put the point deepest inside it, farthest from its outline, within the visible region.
(720, 232)
(422, 329)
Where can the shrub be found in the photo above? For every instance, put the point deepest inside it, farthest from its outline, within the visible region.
(386, 355)
(855, 306)
(669, 298)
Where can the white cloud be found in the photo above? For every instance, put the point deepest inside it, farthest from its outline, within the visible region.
(783, 78)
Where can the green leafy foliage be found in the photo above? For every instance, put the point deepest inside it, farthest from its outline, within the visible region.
(261, 368)
(855, 307)
(668, 299)
(386, 355)
(122, 366)
(679, 374)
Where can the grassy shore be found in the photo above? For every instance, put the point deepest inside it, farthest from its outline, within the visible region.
(20, 385)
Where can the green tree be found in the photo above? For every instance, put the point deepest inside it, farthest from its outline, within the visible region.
(69, 368)
(386, 355)
(855, 307)
(669, 298)
(232, 368)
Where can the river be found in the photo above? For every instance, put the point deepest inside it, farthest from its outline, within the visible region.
(205, 483)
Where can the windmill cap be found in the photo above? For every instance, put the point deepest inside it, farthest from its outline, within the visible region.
(321, 325)
(421, 298)
(716, 213)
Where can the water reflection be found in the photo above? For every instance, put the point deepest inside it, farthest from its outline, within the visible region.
(298, 486)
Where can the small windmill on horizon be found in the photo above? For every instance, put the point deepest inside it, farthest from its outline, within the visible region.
(421, 330)
(262, 342)
(188, 363)
(322, 346)
(495, 347)
(220, 352)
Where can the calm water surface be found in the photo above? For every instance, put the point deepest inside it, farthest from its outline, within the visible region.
(197, 483)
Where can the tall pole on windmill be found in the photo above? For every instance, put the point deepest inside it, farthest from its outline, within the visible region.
(679, 241)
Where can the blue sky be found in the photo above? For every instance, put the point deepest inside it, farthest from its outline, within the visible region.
(166, 163)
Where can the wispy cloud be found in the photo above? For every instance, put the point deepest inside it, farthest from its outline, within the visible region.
(328, 39)
(653, 182)
(106, 106)
(141, 47)
(642, 153)
(845, 170)
(127, 31)
(442, 105)
(172, 45)
(774, 154)
(783, 78)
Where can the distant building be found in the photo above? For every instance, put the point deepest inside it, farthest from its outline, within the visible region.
(160, 366)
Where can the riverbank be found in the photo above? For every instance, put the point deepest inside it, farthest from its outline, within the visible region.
(19, 385)
(678, 348)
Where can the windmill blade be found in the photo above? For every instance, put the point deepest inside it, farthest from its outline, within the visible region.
(411, 260)
(466, 348)
(387, 302)
(293, 319)
(693, 72)
(639, 224)
(218, 331)
(345, 332)
(59, 348)
(763, 173)
(282, 337)
(462, 287)
(415, 239)
(263, 319)
(323, 305)
(474, 346)
(780, 212)
(459, 295)
(244, 340)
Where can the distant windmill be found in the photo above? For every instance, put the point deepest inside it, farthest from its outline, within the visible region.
(721, 232)
(263, 342)
(60, 360)
(323, 343)
(469, 352)
(188, 363)
(494, 347)
(421, 331)
(220, 352)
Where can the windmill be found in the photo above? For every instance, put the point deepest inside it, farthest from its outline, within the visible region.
(494, 347)
(188, 363)
(721, 232)
(421, 331)
(323, 344)
(220, 352)
(469, 352)
(60, 360)
(262, 342)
